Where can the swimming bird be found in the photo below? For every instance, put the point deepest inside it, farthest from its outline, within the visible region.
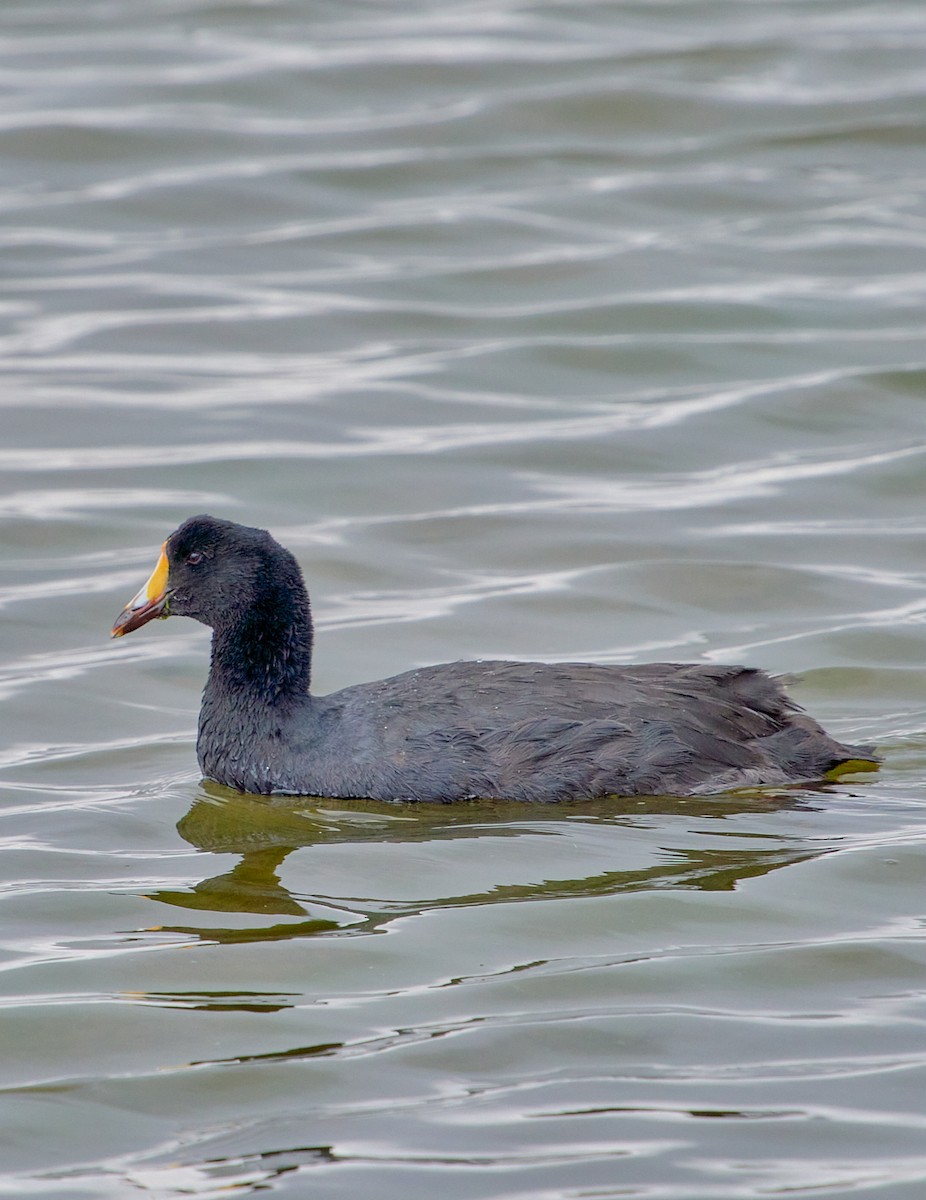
(527, 731)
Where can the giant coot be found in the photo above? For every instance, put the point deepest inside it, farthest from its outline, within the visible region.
(508, 730)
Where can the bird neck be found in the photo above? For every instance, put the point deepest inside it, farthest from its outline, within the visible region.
(266, 653)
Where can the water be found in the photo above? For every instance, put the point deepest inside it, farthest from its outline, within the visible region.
(543, 331)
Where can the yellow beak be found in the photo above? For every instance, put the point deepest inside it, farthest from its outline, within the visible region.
(148, 603)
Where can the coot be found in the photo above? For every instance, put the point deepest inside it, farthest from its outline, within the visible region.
(511, 730)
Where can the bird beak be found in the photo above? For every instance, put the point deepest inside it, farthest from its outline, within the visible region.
(149, 603)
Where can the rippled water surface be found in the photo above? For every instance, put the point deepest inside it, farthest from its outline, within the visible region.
(578, 330)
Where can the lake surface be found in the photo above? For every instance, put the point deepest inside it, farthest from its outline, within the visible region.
(564, 331)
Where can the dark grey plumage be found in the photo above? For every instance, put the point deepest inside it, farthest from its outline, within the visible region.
(520, 731)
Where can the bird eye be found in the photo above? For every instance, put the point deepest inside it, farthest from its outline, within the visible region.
(194, 557)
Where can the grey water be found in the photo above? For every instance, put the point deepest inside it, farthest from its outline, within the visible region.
(540, 330)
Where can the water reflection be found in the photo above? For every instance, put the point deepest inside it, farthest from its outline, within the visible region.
(265, 830)
(255, 1002)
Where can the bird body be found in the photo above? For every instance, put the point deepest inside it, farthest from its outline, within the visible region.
(509, 730)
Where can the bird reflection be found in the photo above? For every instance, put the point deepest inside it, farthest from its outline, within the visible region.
(263, 830)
